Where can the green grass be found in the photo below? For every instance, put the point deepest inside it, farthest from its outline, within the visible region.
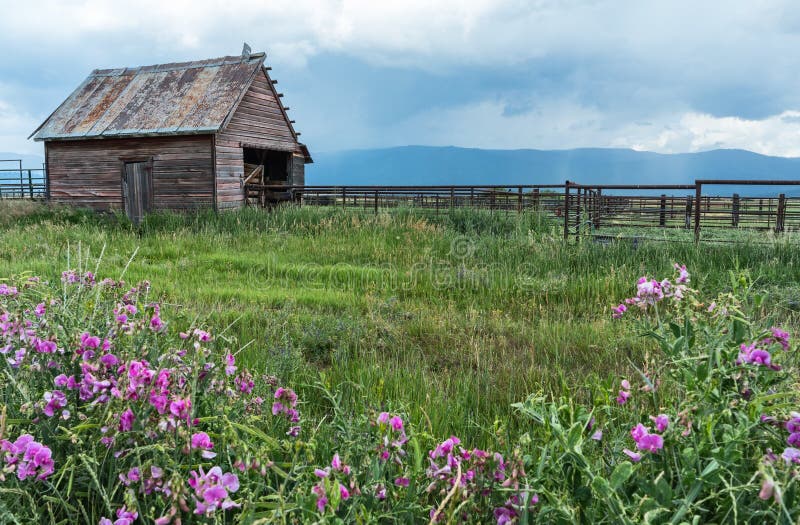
(449, 317)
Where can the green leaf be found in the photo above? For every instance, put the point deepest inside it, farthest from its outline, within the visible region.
(621, 474)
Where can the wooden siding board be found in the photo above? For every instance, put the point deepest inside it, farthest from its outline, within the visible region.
(87, 173)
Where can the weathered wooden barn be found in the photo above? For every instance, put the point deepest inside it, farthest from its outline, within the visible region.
(171, 137)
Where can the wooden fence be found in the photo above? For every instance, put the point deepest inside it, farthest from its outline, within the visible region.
(19, 183)
(583, 209)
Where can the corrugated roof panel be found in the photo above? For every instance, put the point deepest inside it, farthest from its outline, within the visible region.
(189, 97)
(231, 81)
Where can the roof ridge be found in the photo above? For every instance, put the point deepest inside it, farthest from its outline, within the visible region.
(173, 66)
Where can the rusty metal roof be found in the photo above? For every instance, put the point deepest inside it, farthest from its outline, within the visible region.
(166, 99)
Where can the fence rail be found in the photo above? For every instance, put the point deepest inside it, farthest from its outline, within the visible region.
(596, 210)
(22, 183)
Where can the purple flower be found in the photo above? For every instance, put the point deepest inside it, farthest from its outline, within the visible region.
(383, 418)
(156, 324)
(31, 459)
(211, 490)
(598, 435)
(402, 482)
(40, 309)
(320, 473)
(344, 493)
(622, 397)
(336, 462)
(635, 457)
(230, 361)
(683, 274)
(619, 310)
(793, 424)
(396, 423)
(767, 489)
(126, 420)
(650, 443)
(638, 432)
(661, 421)
(54, 401)
(201, 440)
(791, 455)
(780, 337)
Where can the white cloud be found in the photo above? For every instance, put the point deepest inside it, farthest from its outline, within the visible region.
(564, 124)
(15, 126)
(777, 135)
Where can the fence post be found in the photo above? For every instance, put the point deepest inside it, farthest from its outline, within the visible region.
(519, 199)
(779, 220)
(735, 210)
(578, 215)
(687, 219)
(30, 183)
(698, 190)
(344, 198)
(376, 201)
(598, 208)
(662, 215)
(536, 199)
(566, 210)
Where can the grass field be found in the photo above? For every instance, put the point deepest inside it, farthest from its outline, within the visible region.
(449, 317)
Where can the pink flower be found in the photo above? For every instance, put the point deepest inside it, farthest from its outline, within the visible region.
(598, 435)
(31, 459)
(619, 311)
(683, 274)
(383, 418)
(126, 420)
(661, 421)
(54, 401)
(156, 324)
(638, 432)
(320, 473)
(211, 490)
(635, 457)
(767, 489)
(181, 408)
(402, 482)
(791, 455)
(650, 443)
(201, 440)
(396, 423)
(230, 361)
(336, 463)
(623, 396)
(40, 309)
(344, 493)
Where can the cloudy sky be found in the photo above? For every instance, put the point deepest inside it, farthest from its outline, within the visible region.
(667, 76)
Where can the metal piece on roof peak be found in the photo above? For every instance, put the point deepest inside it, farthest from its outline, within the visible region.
(246, 51)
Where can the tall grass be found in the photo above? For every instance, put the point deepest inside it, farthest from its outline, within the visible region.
(451, 316)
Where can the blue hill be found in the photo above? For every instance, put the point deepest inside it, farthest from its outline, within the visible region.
(420, 165)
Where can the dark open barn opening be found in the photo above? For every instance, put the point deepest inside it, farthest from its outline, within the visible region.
(276, 165)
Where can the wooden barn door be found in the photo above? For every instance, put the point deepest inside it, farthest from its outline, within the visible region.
(137, 190)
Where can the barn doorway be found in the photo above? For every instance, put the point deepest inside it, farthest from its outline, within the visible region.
(137, 189)
(274, 167)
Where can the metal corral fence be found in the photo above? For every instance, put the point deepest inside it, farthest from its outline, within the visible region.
(21, 183)
(596, 210)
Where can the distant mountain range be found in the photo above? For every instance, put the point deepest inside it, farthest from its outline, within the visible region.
(419, 165)
(428, 165)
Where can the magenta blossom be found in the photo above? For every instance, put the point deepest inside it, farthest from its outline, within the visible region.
(126, 420)
(212, 489)
(661, 421)
(635, 456)
(619, 310)
(683, 274)
(201, 441)
(30, 458)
